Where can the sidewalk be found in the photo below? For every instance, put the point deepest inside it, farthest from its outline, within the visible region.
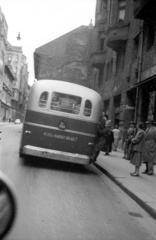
(142, 189)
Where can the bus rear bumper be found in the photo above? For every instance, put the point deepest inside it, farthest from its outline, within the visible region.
(55, 155)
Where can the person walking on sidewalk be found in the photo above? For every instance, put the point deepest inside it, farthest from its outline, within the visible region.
(116, 133)
(137, 143)
(149, 147)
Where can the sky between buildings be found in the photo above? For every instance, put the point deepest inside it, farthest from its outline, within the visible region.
(41, 21)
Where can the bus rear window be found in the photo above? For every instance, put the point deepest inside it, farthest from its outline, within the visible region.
(65, 103)
(43, 100)
(88, 108)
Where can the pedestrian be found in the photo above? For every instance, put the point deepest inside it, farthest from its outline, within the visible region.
(102, 116)
(110, 140)
(149, 147)
(131, 132)
(102, 135)
(116, 133)
(137, 146)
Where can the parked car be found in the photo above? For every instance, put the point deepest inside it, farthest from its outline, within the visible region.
(17, 121)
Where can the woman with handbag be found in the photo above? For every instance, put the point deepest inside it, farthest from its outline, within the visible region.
(137, 142)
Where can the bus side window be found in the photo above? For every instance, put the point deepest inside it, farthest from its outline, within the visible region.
(88, 108)
(55, 102)
(43, 100)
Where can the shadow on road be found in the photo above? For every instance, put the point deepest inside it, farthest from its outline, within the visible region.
(35, 162)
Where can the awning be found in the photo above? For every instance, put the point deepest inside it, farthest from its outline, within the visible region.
(151, 81)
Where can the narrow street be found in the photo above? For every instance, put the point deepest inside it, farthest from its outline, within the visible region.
(65, 201)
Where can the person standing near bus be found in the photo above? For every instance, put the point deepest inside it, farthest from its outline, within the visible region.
(103, 134)
(110, 139)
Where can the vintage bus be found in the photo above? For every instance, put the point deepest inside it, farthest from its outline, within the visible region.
(61, 121)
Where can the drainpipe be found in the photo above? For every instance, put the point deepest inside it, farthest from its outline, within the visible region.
(110, 13)
(139, 71)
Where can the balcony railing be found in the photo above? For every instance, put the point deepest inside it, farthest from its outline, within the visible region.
(98, 58)
(117, 36)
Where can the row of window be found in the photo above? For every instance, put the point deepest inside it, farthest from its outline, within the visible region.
(65, 103)
(121, 8)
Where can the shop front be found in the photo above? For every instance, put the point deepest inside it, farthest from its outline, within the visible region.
(147, 99)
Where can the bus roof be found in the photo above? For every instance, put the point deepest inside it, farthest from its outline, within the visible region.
(64, 87)
(67, 88)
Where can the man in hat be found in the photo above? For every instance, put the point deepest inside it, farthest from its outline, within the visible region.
(149, 147)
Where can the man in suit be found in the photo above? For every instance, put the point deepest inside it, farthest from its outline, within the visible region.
(110, 139)
(102, 136)
(149, 147)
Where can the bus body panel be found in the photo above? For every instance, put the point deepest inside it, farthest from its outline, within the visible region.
(57, 139)
(60, 135)
(53, 120)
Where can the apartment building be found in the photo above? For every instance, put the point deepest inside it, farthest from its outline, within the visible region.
(123, 58)
(13, 77)
(6, 97)
(144, 10)
(18, 61)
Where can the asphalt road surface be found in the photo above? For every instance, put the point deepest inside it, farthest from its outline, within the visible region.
(61, 201)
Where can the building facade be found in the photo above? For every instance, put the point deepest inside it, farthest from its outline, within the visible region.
(123, 57)
(18, 61)
(3, 43)
(13, 77)
(146, 85)
(66, 58)
(8, 79)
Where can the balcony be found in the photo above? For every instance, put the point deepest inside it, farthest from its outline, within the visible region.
(98, 58)
(144, 9)
(117, 36)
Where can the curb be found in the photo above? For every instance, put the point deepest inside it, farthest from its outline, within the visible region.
(143, 204)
